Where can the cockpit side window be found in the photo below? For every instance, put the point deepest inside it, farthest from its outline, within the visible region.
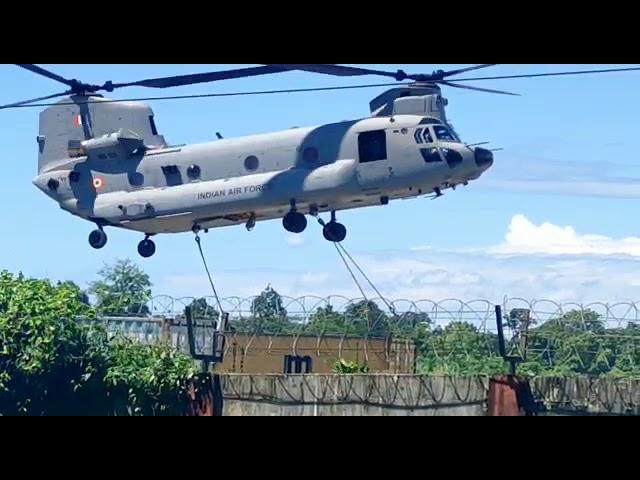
(444, 134)
(428, 138)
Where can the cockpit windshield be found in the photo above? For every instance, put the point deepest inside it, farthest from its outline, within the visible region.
(444, 134)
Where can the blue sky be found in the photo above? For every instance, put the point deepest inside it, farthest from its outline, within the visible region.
(555, 217)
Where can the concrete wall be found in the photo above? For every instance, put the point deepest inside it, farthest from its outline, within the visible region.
(412, 395)
(586, 396)
(352, 395)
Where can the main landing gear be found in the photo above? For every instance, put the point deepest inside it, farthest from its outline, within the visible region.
(333, 231)
(146, 248)
(296, 222)
(98, 239)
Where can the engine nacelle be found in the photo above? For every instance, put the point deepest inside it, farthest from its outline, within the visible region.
(118, 144)
(423, 100)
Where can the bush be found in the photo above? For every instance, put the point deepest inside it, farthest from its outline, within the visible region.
(147, 379)
(52, 365)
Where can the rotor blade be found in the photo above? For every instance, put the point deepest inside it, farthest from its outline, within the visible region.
(341, 71)
(45, 73)
(26, 102)
(468, 69)
(216, 95)
(552, 74)
(487, 90)
(180, 80)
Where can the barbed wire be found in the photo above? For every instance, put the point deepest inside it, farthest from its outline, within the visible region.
(445, 336)
(479, 312)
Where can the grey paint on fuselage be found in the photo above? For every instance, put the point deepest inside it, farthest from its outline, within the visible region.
(135, 193)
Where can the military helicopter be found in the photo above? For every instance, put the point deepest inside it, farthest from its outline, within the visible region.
(104, 160)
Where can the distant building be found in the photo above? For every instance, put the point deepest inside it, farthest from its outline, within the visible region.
(290, 354)
(272, 354)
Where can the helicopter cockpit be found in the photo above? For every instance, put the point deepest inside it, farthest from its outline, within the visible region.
(445, 134)
(439, 133)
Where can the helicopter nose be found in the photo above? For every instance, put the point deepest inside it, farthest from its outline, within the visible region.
(484, 158)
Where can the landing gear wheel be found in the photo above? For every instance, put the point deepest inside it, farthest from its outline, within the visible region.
(146, 248)
(294, 222)
(97, 239)
(334, 232)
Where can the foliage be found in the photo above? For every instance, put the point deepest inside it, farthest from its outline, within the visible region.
(83, 296)
(345, 368)
(366, 319)
(575, 343)
(124, 289)
(578, 343)
(361, 319)
(268, 316)
(147, 379)
(50, 364)
(326, 321)
(268, 305)
(459, 349)
(201, 310)
(42, 349)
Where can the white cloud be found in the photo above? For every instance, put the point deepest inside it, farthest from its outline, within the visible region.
(525, 237)
(534, 262)
(249, 283)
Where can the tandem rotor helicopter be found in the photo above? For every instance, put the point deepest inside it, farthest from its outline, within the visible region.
(105, 161)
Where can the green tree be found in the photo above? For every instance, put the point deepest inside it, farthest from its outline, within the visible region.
(268, 316)
(83, 296)
(268, 305)
(147, 380)
(51, 364)
(326, 321)
(201, 310)
(44, 360)
(124, 289)
(366, 318)
(460, 349)
(578, 342)
(412, 325)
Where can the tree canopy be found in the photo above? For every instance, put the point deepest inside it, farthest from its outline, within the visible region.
(36, 319)
(124, 289)
(53, 364)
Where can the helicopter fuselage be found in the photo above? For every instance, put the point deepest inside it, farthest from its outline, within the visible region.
(334, 167)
